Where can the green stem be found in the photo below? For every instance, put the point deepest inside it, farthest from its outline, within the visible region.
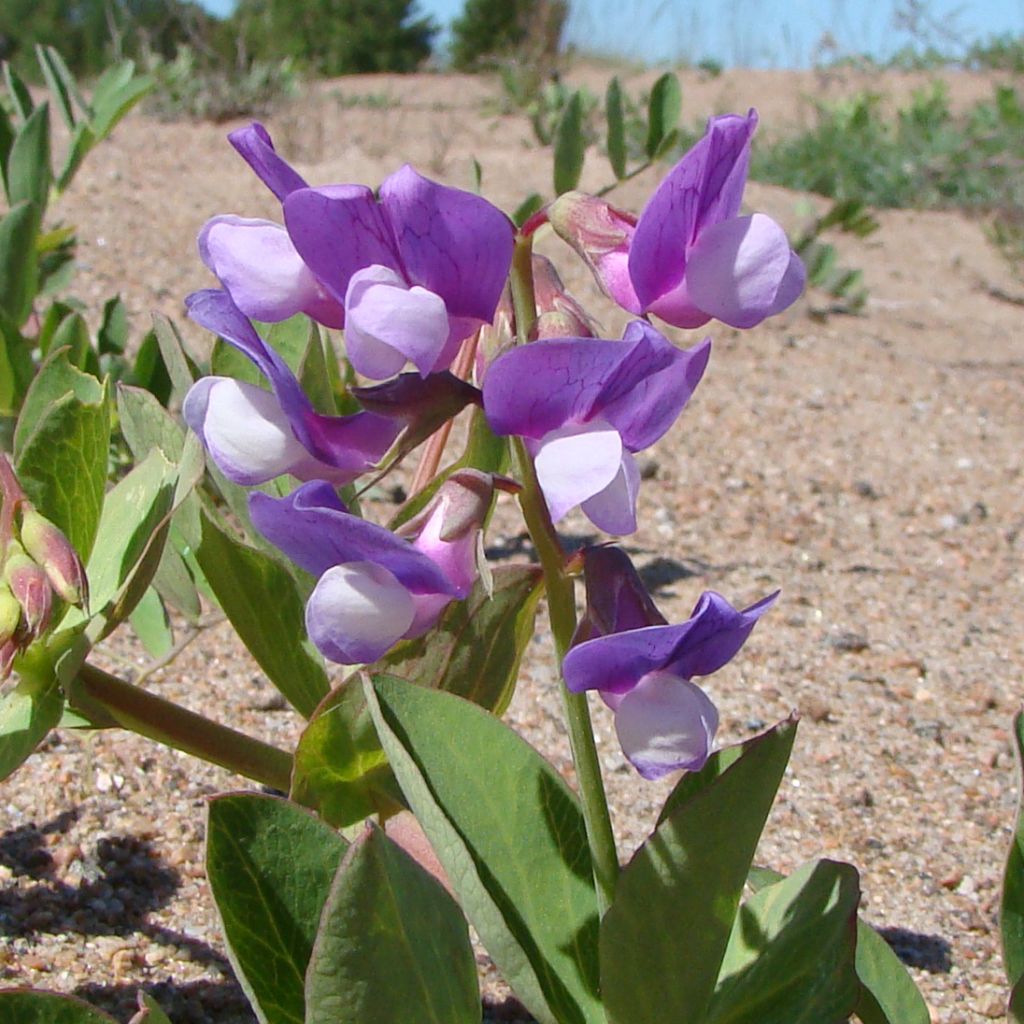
(627, 177)
(104, 695)
(524, 305)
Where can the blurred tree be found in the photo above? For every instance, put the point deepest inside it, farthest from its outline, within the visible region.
(489, 30)
(336, 37)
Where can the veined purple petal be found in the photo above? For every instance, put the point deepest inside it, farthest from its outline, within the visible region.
(357, 612)
(387, 323)
(452, 243)
(352, 444)
(617, 599)
(644, 413)
(337, 230)
(256, 149)
(737, 270)
(725, 168)
(613, 509)
(699, 646)
(575, 463)
(311, 527)
(262, 272)
(664, 724)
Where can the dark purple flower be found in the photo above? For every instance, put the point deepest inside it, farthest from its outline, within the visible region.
(375, 588)
(254, 435)
(409, 274)
(584, 406)
(644, 669)
(690, 256)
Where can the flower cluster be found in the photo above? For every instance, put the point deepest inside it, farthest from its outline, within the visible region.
(415, 273)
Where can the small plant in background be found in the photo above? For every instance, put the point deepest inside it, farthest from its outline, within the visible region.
(523, 33)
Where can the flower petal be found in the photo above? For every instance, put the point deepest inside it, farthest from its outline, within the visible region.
(742, 271)
(576, 462)
(264, 275)
(256, 149)
(388, 323)
(312, 528)
(357, 612)
(337, 230)
(665, 724)
(452, 243)
(614, 509)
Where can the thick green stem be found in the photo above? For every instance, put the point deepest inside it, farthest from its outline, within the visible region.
(524, 305)
(97, 692)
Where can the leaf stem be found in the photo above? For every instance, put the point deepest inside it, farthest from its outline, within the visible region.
(107, 697)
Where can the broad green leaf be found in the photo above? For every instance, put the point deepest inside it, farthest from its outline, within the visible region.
(27, 714)
(227, 361)
(56, 85)
(488, 798)
(16, 372)
(392, 947)
(180, 367)
(570, 146)
(151, 625)
(28, 165)
(476, 648)
(17, 92)
(259, 596)
(146, 424)
(23, 1006)
(73, 334)
(790, 958)
(60, 446)
(340, 767)
(19, 269)
(616, 140)
(270, 865)
(1015, 1007)
(1011, 915)
(663, 110)
(676, 900)
(117, 91)
(113, 332)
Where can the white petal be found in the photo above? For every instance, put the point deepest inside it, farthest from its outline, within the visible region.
(576, 462)
(614, 509)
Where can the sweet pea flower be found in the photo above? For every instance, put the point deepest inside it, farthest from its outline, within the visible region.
(409, 274)
(644, 668)
(584, 406)
(690, 256)
(255, 435)
(375, 588)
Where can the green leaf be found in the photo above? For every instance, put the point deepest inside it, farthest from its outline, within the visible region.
(392, 945)
(888, 994)
(1011, 915)
(340, 768)
(527, 208)
(1015, 1007)
(314, 373)
(510, 836)
(790, 958)
(28, 165)
(57, 64)
(475, 650)
(146, 424)
(19, 268)
(56, 85)
(82, 140)
(60, 448)
(113, 333)
(663, 110)
(117, 91)
(614, 117)
(151, 625)
(73, 334)
(21, 98)
(16, 371)
(259, 596)
(23, 1006)
(27, 714)
(676, 900)
(6, 140)
(150, 1011)
(180, 367)
(569, 145)
(270, 865)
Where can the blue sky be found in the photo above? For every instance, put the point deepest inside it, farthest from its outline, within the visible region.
(760, 33)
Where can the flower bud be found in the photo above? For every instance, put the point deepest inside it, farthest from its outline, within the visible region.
(8, 650)
(559, 315)
(30, 586)
(47, 544)
(10, 615)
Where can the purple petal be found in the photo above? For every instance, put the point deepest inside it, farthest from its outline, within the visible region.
(451, 242)
(311, 527)
(254, 145)
(705, 187)
(337, 230)
(357, 612)
(576, 462)
(617, 599)
(738, 270)
(665, 724)
(614, 508)
(353, 445)
(697, 647)
(264, 275)
(388, 323)
(653, 384)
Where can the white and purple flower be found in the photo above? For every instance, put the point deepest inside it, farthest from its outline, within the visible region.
(584, 406)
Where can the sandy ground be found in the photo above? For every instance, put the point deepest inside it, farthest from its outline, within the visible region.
(869, 466)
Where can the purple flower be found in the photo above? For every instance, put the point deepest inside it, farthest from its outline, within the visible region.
(644, 669)
(255, 435)
(690, 256)
(375, 588)
(409, 275)
(584, 406)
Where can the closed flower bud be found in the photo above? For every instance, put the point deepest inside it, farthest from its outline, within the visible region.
(559, 315)
(10, 615)
(29, 584)
(47, 544)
